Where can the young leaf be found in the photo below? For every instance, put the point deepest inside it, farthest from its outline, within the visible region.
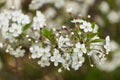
(48, 34)
(27, 26)
(97, 40)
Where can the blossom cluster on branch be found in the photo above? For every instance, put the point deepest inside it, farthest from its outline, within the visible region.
(65, 47)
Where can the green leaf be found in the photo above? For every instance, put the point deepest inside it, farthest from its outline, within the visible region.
(27, 26)
(93, 25)
(97, 40)
(48, 34)
(91, 35)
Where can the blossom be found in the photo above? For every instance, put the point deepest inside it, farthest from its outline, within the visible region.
(38, 21)
(107, 45)
(56, 57)
(86, 26)
(66, 61)
(19, 17)
(15, 29)
(77, 61)
(45, 53)
(44, 63)
(18, 52)
(63, 42)
(80, 48)
(36, 51)
(12, 23)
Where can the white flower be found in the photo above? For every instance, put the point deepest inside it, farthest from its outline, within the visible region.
(25, 19)
(99, 59)
(15, 29)
(7, 35)
(16, 16)
(38, 21)
(3, 21)
(20, 18)
(18, 52)
(36, 51)
(56, 57)
(44, 63)
(77, 61)
(80, 48)
(63, 42)
(45, 53)
(86, 26)
(35, 34)
(66, 61)
(107, 45)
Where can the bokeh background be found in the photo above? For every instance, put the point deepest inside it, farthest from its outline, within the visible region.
(106, 13)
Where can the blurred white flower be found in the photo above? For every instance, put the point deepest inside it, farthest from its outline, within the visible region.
(114, 45)
(113, 17)
(89, 2)
(72, 6)
(52, 13)
(1, 45)
(69, 10)
(104, 7)
(36, 4)
(100, 21)
(111, 65)
(58, 3)
(13, 3)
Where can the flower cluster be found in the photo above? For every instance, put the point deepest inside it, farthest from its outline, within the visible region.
(65, 47)
(11, 24)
